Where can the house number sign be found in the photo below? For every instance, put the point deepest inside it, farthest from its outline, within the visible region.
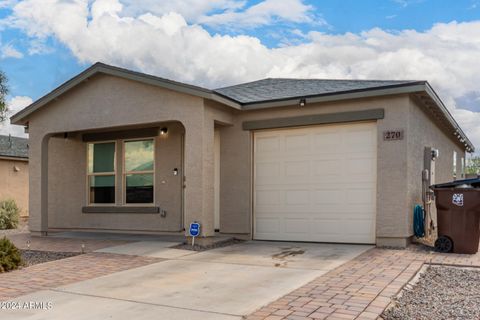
(391, 135)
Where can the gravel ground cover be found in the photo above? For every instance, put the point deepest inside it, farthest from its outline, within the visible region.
(441, 293)
(31, 257)
(22, 228)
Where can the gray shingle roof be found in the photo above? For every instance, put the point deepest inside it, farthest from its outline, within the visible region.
(281, 88)
(13, 147)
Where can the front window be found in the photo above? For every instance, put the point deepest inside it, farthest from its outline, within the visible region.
(101, 172)
(139, 171)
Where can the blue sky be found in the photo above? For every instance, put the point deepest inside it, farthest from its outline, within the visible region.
(220, 42)
(37, 74)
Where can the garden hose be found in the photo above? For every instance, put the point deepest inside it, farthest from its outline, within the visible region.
(418, 221)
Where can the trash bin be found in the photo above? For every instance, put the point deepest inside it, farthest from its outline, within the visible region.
(458, 216)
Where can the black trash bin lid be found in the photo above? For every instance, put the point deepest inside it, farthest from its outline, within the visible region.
(475, 183)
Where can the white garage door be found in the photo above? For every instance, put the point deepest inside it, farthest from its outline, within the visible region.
(316, 183)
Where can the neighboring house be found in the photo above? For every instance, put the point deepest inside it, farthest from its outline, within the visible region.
(275, 159)
(14, 171)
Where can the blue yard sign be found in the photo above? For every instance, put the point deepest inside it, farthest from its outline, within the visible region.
(194, 231)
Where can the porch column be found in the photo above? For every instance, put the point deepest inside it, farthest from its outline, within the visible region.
(199, 172)
(38, 184)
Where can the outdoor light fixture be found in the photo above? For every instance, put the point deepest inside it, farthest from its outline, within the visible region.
(163, 131)
(302, 103)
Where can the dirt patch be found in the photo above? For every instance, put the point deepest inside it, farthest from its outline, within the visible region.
(288, 252)
(186, 246)
(284, 254)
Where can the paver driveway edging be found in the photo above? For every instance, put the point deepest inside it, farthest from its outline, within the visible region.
(359, 289)
(65, 271)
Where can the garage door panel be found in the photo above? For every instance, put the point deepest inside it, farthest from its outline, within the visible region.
(297, 143)
(361, 166)
(297, 169)
(297, 197)
(267, 144)
(268, 225)
(296, 225)
(360, 196)
(332, 167)
(325, 140)
(328, 197)
(316, 184)
(268, 197)
(267, 170)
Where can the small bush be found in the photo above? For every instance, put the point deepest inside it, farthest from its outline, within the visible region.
(9, 214)
(10, 256)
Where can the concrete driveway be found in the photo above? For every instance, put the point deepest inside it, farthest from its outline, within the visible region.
(225, 283)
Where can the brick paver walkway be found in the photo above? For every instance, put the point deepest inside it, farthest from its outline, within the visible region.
(61, 272)
(359, 289)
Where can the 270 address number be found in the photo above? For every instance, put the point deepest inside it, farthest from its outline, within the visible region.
(393, 135)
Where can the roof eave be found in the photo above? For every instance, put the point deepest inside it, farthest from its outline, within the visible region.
(441, 106)
(420, 86)
(13, 158)
(346, 95)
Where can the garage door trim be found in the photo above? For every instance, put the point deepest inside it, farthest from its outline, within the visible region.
(371, 126)
(315, 119)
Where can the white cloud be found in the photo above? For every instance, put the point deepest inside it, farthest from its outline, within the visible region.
(191, 10)
(264, 13)
(166, 44)
(7, 3)
(406, 3)
(15, 104)
(469, 122)
(8, 51)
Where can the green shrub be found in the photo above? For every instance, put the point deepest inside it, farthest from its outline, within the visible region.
(10, 256)
(9, 214)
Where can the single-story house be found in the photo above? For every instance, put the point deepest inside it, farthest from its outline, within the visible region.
(14, 171)
(274, 159)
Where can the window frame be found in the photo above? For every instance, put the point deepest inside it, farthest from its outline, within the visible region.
(125, 173)
(93, 174)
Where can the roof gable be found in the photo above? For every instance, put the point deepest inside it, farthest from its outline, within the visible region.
(101, 68)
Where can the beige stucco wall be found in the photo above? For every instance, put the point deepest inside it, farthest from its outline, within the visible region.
(423, 131)
(106, 102)
(399, 163)
(236, 177)
(14, 184)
